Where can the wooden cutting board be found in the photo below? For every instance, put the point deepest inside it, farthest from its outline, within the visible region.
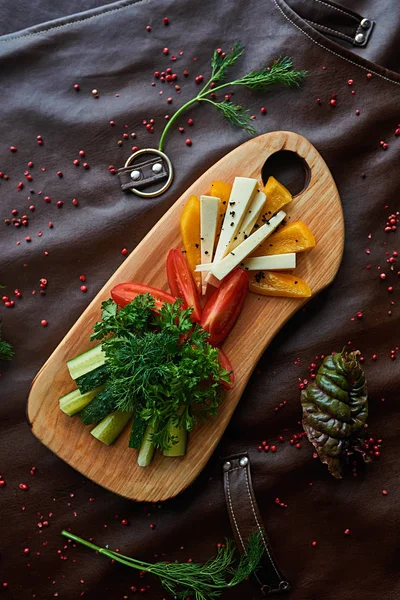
(115, 467)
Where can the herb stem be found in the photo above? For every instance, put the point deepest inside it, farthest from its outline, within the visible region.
(173, 119)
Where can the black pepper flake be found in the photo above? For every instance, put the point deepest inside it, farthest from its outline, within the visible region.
(232, 203)
(233, 254)
(296, 282)
(224, 202)
(197, 245)
(206, 252)
(232, 224)
(232, 213)
(297, 241)
(245, 236)
(202, 239)
(259, 276)
(256, 226)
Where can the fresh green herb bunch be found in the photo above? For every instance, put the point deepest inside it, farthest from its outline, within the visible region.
(199, 581)
(160, 364)
(6, 351)
(281, 71)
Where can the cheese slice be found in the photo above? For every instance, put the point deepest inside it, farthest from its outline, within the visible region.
(233, 259)
(209, 214)
(242, 194)
(273, 262)
(250, 218)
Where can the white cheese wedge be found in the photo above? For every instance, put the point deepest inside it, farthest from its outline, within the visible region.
(250, 218)
(209, 212)
(233, 259)
(242, 194)
(273, 262)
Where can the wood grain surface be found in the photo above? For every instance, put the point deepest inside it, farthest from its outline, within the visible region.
(318, 205)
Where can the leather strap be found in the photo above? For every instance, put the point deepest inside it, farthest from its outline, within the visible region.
(335, 21)
(245, 519)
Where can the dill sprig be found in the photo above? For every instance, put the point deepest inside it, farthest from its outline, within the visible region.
(220, 63)
(205, 581)
(281, 71)
(236, 114)
(6, 350)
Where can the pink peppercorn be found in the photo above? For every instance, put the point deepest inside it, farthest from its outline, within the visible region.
(188, 142)
(13, 148)
(81, 153)
(165, 51)
(85, 165)
(43, 323)
(124, 522)
(263, 110)
(76, 87)
(124, 251)
(166, 21)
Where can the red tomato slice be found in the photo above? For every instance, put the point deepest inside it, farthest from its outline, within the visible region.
(123, 293)
(226, 364)
(223, 307)
(181, 282)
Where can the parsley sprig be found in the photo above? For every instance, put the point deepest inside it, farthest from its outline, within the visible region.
(160, 364)
(281, 71)
(199, 581)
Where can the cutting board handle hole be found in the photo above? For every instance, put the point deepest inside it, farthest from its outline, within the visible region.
(288, 168)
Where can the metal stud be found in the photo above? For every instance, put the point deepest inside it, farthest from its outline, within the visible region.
(135, 175)
(365, 24)
(360, 38)
(227, 466)
(157, 168)
(243, 462)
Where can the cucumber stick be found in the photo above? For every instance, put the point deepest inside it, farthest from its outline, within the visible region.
(92, 379)
(86, 362)
(180, 438)
(101, 406)
(147, 447)
(138, 429)
(74, 402)
(111, 426)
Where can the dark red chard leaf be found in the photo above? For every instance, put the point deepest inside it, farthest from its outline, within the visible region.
(335, 409)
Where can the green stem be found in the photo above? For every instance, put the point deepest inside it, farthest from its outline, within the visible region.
(135, 564)
(201, 96)
(173, 119)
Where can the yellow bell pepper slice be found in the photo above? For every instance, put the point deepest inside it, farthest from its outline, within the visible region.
(190, 232)
(221, 190)
(277, 196)
(294, 237)
(270, 283)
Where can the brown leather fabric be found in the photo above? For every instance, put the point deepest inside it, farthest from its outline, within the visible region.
(111, 51)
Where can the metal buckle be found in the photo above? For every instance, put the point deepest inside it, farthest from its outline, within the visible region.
(136, 176)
